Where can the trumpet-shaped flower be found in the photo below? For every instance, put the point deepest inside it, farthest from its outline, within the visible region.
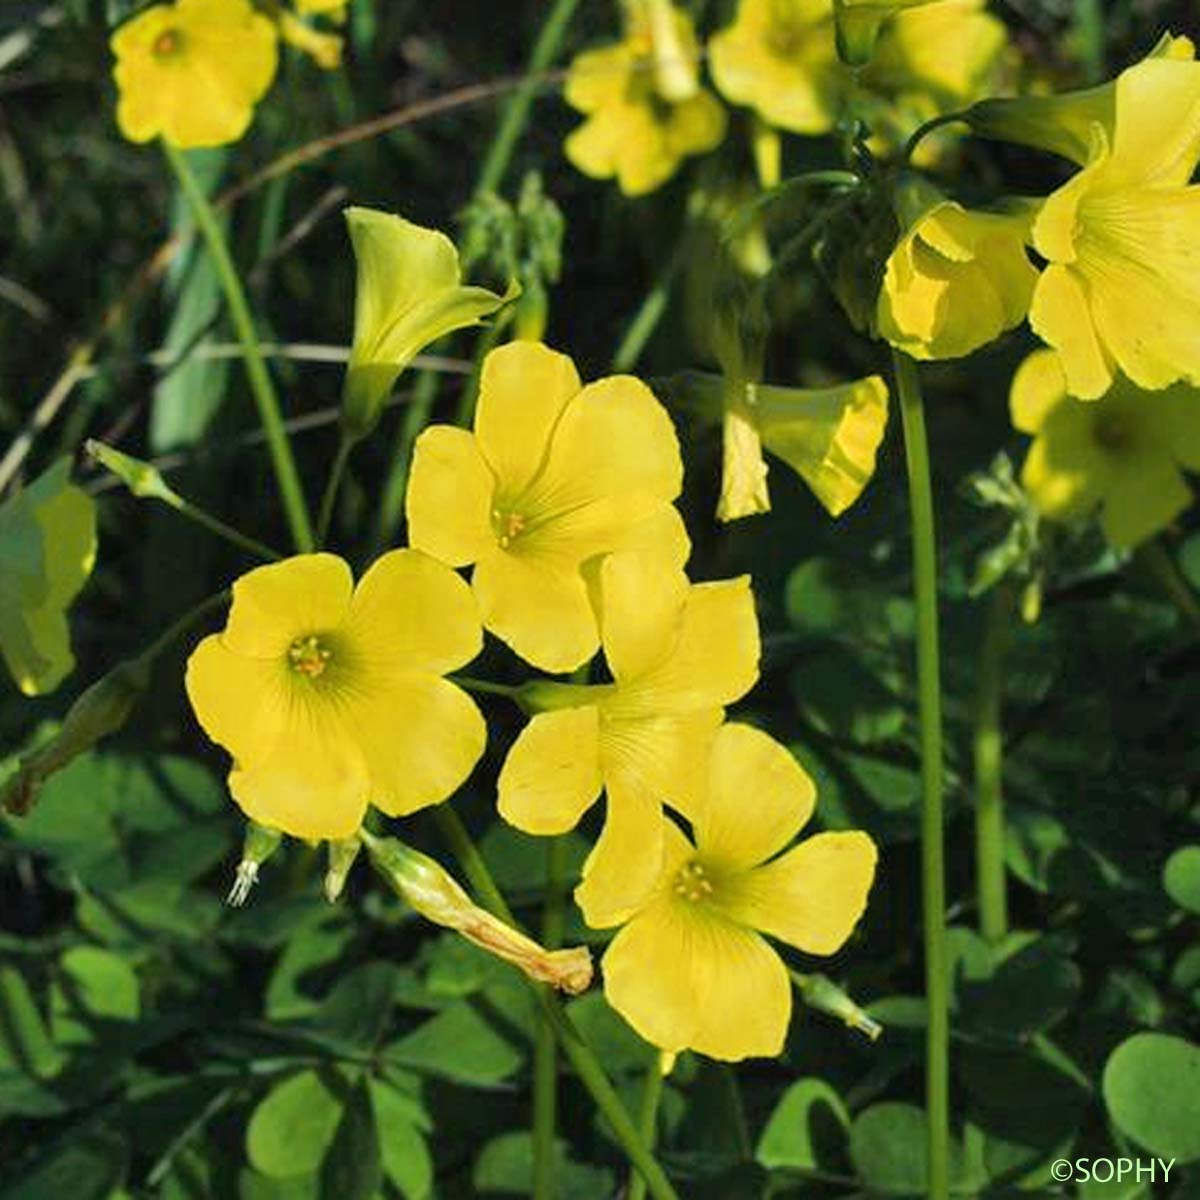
(408, 294)
(1124, 453)
(779, 58)
(47, 549)
(646, 111)
(553, 475)
(192, 71)
(956, 280)
(1121, 291)
(329, 696)
(677, 653)
(691, 968)
(859, 23)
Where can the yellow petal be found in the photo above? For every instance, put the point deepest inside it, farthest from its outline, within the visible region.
(696, 126)
(551, 776)
(715, 660)
(1145, 493)
(1061, 317)
(274, 605)
(828, 436)
(451, 494)
(314, 784)
(1037, 388)
(759, 798)
(420, 738)
(1156, 136)
(812, 896)
(626, 862)
(744, 490)
(410, 611)
(523, 389)
(1174, 415)
(598, 78)
(407, 295)
(240, 702)
(642, 600)
(538, 607)
(1065, 473)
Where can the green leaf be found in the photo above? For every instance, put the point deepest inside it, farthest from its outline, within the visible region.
(837, 694)
(887, 1148)
(406, 1159)
(459, 1043)
(506, 1166)
(807, 1130)
(24, 1043)
(313, 944)
(352, 1169)
(1181, 878)
(293, 1126)
(95, 986)
(253, 1186)
(83, 1165)
(1152, 1090)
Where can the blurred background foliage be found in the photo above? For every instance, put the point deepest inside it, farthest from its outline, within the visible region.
(154, 1042)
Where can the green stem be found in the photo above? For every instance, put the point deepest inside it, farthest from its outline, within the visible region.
(499, 155)
(485, 687)
(647, 317)
(933, 866)
(919, 136)
(1160, 564)
(581, 1056)
(545, 1053)
(336, 471)
(990, 880)
(214, 525)
(284, 465)
(165, 640)
(652, 1091)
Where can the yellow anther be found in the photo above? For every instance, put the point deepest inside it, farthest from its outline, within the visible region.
(168, 43)
(692, 883)
(308, 657)
(507, 526)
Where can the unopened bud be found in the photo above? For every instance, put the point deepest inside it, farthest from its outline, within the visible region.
(141, 478)
(819, 992)
(341, 858)
(259, 845)
(433, 892)
(100, 711)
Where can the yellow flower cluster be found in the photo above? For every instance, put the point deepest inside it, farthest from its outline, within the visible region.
(192, 71)
(331, 697)
(647, 111)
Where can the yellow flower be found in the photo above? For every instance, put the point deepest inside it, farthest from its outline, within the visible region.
(325, 49)
(1122, 453)
(691, 968)
(329, 695)
(47, 549)
(859, 23)
(554, 474)
(1121, 292)
(192, 72)
(646, 111)
(335, 10)
(779, 58)
(1063, 124)
(408, 294)
(957, 279)
(677, 653)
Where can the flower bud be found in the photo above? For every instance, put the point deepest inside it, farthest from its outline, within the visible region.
(342, 855)
(141, 478)
(260, 843)
(429, 889)
(819, 992)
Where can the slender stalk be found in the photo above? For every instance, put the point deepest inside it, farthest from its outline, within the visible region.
(336, 471)
(545, 1052)
(933, 867)
(243, 541)
(485, 687)
(499, 155)
(652, 1091)
(1157, 560)
(284, 465)
(647, 317)
(990, 882)
(581, 1056)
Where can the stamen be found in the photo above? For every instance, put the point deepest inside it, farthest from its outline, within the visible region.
(507, 525)
(692, 883)
(167, 44)
(308, 656)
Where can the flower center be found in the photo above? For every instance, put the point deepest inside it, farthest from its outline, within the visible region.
(507, 525)
(1113, 432)
(307, 656)
(692, 883)
(168, 44)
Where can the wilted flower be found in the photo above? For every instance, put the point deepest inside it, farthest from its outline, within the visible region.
(47, 549)
(677, 653)
(330, 696)
(646, 111)
(409, 293)
(554, 474)
(1124, 453)
(192, 71)
(691, 969)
